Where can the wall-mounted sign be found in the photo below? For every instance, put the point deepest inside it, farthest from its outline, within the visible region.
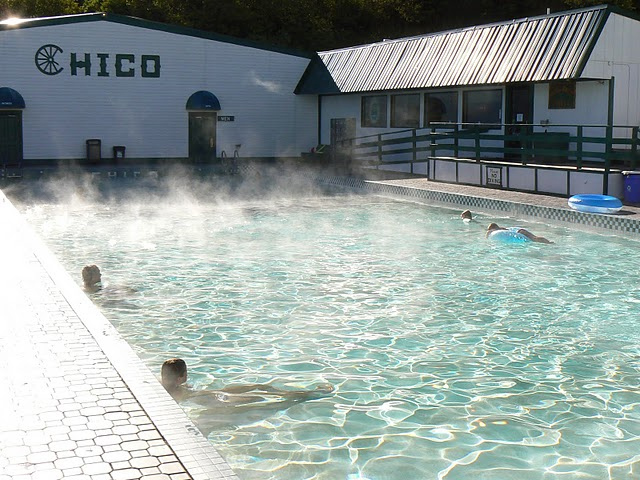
(226, 118)
(494, 176)
(50, 58)
(562, 95)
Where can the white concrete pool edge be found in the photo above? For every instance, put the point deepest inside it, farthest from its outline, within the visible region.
(193, 450)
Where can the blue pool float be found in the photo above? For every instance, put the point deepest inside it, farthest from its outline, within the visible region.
(510, 235)
(593, 203)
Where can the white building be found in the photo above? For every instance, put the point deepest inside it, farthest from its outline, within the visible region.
(555, 81)
(555, 69)
(75, 87)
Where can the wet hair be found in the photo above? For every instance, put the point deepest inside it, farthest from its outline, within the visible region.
(89, 273)
(173, 369)
(467, 215)
(493, 226)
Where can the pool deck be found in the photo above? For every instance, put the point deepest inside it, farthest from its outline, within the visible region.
(497, 203)
(77, 401)
(496, 194)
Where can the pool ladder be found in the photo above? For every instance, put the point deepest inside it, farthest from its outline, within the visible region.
(231, 166)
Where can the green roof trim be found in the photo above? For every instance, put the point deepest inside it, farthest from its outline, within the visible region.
(596, 36)
(316, 78)
(148, 24)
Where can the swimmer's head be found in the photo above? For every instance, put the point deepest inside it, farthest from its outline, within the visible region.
(493, 227)
(174, 373)
(91, 275)
(466, 215)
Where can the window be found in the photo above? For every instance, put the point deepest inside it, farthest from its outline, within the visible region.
(482, 106)
(374, 111)
(562, 95)
(405, 110)
(441, 107)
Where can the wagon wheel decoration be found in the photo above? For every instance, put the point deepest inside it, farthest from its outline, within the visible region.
(46, 61)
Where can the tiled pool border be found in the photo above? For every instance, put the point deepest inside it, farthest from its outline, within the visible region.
(196, 454)
(615, 223)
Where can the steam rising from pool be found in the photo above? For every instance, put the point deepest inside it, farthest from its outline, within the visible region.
(452, 357)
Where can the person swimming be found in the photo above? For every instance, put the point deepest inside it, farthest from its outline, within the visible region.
(91, 278)
(466, 216)
(234, 405)
(105, 294)
(174, 378)
(526, 234)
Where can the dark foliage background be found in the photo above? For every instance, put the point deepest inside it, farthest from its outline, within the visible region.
(311, 25)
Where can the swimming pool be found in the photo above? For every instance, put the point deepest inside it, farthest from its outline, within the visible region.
(452, 357)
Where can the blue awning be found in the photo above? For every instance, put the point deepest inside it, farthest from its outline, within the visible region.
(10, 99)
(203, 100)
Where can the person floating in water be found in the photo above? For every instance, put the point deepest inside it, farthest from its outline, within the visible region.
(234, 405)
(466, 216)
(174, 378)
(104, 294)
(494, 227)
(91, 278)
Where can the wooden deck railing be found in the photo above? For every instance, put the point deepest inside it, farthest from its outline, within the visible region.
(578, 146)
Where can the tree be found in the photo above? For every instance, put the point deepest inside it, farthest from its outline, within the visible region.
(626, 4)
(149, 10)
(311, 25)
(37, 8)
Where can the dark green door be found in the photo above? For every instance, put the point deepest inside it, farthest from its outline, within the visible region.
(519, 109)
(10, 139)
(202, 136)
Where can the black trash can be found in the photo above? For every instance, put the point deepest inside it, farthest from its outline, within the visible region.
(118, 152)
(94, 150)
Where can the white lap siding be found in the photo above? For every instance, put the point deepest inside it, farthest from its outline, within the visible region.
(147, 114)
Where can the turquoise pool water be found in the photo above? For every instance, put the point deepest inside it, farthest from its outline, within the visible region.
(452, 357)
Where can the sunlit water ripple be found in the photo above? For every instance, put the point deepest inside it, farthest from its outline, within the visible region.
(452, 357)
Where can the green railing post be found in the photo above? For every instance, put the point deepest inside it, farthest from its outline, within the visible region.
(579, 146)
(525, 145)
(456, 142)
(379, 148)
(477, 140)
(432, 142)
(607, 160)
(634, 147)
(415, 146)
(609, 145)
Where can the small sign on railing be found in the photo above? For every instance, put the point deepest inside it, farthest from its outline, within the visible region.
(226, 118)
(494, 176)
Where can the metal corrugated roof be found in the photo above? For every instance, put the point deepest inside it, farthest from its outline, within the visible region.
(549, 47)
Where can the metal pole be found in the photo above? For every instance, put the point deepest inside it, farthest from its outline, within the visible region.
(608, 149)
(456, 142)
(415, 146)
(579, 146)
(634, 147)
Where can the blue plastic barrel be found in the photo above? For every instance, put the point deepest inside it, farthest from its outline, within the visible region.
(631, 187)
